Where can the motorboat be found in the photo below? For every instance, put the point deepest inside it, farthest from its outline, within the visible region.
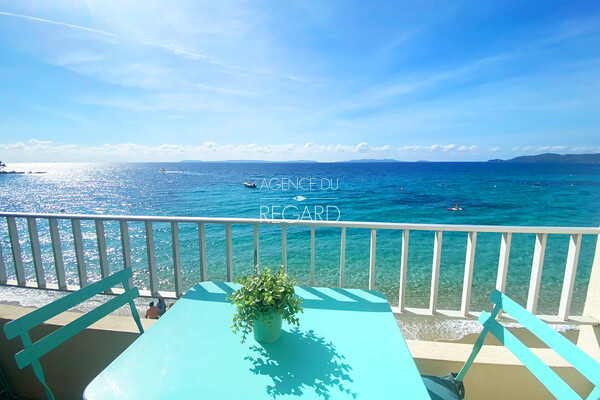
(250, 184)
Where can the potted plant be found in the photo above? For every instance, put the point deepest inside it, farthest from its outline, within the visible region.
(262, 302)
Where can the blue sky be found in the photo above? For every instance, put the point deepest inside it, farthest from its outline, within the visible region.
(320, 80)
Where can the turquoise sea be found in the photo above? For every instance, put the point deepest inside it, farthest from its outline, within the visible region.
(489, 193)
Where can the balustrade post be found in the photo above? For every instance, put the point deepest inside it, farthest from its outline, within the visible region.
(342, 257)
(569, 279)
(284, 246)
(468, 279)
(176, 258)
(435, 273)
(536, 272)
(256, 243)
(592, 301)
(372, 257)
(403, 270)
(229, 252)
(124, 229)
(3, 277)
(101, 241)
(59, 265)
(79, 254)
(36, 253)
(15, 246)
(312, 256)
(202, 250)
(153, 280)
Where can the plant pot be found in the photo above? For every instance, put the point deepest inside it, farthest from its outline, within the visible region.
(265, 333)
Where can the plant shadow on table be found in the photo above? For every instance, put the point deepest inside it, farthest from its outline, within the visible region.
(300, 361)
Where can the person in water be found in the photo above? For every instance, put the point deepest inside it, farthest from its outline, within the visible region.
(152, 312)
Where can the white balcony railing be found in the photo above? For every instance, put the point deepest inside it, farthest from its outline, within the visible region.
(575, 238)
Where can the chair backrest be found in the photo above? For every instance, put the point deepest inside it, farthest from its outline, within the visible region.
(582, 362)
(32, 352)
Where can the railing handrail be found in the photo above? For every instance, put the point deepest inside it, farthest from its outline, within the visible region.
(325, 224)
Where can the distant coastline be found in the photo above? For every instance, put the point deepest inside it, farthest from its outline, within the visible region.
(555, 158)
(540, 158)
(363, 160)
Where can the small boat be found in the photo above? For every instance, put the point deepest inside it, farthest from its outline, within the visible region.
(250, 184)
(163, 170)
(455, 208)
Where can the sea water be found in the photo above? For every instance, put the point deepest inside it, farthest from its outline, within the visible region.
(489, 193)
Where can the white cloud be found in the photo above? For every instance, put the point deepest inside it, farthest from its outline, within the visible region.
(39, 142)
(437, 147)
(39, 150)
(127, 51)
(393, 90)
(362, 148)
(551, 148)
(48, 21)
(35, 150)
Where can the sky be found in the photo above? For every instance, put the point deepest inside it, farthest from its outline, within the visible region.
(288, 80)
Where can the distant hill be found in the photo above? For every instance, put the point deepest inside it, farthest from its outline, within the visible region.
(364, 160)
(555, 158)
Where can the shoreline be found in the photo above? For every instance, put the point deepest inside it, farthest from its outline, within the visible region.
(21, 172)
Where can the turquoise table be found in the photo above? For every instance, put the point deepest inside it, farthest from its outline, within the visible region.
(348, 346)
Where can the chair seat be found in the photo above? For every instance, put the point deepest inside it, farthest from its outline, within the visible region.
(444, 387)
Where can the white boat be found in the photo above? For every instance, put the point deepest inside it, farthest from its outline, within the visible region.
(163, 170)
(250, 184)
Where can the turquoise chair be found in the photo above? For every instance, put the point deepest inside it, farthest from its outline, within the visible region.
(451, 386)
(31, 353)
